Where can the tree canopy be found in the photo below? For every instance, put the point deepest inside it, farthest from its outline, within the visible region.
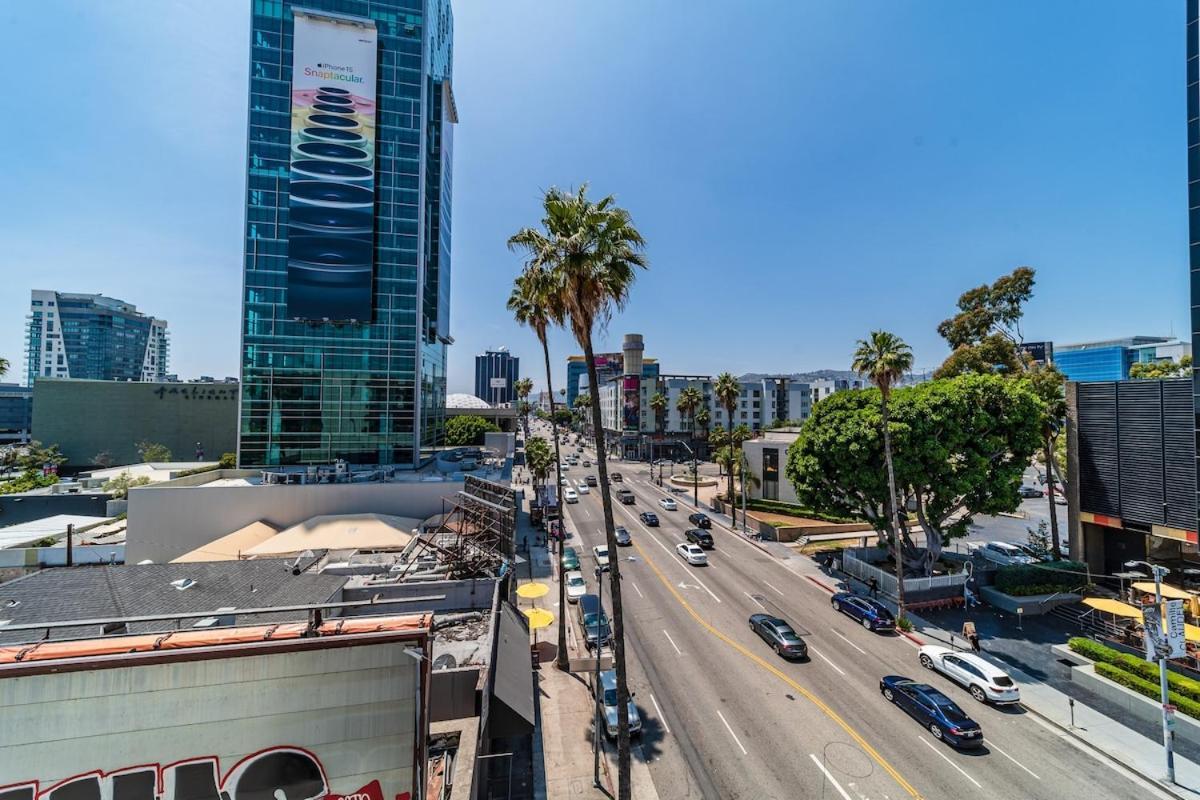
(1168, 368)
(960, 448)
(466, 430)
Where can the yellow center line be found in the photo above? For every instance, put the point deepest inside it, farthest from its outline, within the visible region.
(829, 712)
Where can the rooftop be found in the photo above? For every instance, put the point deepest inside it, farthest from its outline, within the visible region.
(462, 400)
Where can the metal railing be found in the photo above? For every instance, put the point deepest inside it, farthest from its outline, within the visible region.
(886, 579)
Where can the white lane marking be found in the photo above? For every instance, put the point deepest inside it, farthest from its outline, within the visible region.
(636, 589)
(731, 532)
(731, 733)
(847, 641)
(773, 588)
(672, 641)
(754, 600)
(832, 779)
(996, 747)
(669, 552)
(587, 513)
(661, 716)
(821, 655)
(948, 761)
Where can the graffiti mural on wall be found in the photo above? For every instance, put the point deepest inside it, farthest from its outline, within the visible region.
(278, 773)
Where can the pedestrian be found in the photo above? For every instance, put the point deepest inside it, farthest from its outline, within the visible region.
(971, 635)
(873, 585)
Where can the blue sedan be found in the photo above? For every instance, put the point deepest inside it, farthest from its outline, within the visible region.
(945, 721)
(873, 614)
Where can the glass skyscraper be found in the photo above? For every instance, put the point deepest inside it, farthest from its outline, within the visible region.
(316, 389)
(496, 372)
(1193, 140)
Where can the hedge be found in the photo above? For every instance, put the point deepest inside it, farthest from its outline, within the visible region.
(780, 507)
(1147, 688)
(1057, 575)
(1139, 667)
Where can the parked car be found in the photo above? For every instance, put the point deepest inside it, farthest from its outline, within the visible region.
(873, 614)
(700, 520)
(591, 480)
(700, 537)
(782, 637)
(649, 519)
(936, 712)
(600, 551)
(570, 559)
(622, 536)
(1060, 499)
(627, 497)
(1030, 491)
(692, 554)
(986, 682)
(593, 621)
(570, 495)
(587, 463)
(583, 487)
(667, 503)
(576, 586)
(608, 699)
(1003, 553)
(615, 477)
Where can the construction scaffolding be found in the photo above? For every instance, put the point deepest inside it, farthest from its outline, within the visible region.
(474, 535)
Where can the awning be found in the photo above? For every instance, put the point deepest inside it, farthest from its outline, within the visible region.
(231, 546)
(1169, 592)
(1115, 607)
(339, 532)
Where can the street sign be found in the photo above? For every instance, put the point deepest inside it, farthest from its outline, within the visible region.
(1175, 629)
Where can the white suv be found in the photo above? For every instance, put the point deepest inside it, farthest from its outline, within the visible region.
(1004, 554)
(986, 682)
(570, 495)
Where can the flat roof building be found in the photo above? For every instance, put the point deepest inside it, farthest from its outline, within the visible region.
(495, 373)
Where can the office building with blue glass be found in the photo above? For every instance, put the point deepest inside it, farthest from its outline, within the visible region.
(1110, 360)
(346, 281)
(496, 372)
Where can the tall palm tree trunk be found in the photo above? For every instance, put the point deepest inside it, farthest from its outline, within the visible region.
(1055, 546)
(895, 512)
(623, 786)
(562, 661)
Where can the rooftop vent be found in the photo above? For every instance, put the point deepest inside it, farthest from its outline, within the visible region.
(183, 583)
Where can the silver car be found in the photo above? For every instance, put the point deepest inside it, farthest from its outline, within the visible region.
(608, 690)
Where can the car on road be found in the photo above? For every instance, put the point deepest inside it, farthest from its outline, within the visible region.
(587, 463)
(1004, 554)
(935, 711)
(622, 536)
(570, 495)
(600, 551)
(1060, 499)
(608, 699)
(873, 614)
(699, 536)
(583, 487)
(649, 519)
(782, 637)
(1030, 491)
(615, 477)
(692, 554)
(627, 497)
(570, 559)
(700, 520)
(593, 621)
(986, 682)
(576, 586)
(591, 480)
(668, 504)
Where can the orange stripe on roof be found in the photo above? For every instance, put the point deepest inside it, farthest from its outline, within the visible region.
(184, 639)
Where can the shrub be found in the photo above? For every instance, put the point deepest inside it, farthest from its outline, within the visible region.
(228, 461)
(1139, 667)
(1147, 688)
(28, 481)
(467, 430)
(905, 624)
(780, 507)
(1057, 576)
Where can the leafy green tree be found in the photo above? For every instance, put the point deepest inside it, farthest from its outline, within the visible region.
(538, 459)
(593, 250)
(563, 418)
(883, 359)
(961, 447)
(523, 388)
(103, 459)
(534, 303)
(153, 452)
(467, 430)
(1167, 368)
(120, 484)
(35, 456)
(227, 461)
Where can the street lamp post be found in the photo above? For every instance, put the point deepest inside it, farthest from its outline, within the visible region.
(1168, 743)
(695, 476)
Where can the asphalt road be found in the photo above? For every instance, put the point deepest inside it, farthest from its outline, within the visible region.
(725, 717)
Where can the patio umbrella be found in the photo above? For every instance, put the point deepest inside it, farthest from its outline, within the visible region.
(538, 618)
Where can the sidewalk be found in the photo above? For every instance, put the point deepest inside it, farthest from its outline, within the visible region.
(1094, 731)
(563, 736)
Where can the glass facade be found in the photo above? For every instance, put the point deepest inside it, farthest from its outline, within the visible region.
(498, 365)
(367, 392)
(1193, 140)
(1095, 363)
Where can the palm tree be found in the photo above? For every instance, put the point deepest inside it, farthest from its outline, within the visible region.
(883, 359)
(686, 403)
(703, 418)
(533, 303)
(523, 388)
(593, 251)
(4, 365)
(727, 391)
(658, 404)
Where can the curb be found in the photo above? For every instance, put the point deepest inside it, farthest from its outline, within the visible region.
(818, 583)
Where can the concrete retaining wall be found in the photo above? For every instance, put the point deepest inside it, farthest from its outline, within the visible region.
(1135, 704)
(1030, 606)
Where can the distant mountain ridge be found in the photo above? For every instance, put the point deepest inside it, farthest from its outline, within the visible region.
(803, 377)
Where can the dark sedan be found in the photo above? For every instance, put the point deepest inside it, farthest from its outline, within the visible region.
(873, 614)
(700, 537)
(622, 536)
(649, 518)
(777, 633)
(936, 712)
(700, 520)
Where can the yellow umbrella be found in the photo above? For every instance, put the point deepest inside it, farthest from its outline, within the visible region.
(1169, 592)
(538, 617)
(531, 591)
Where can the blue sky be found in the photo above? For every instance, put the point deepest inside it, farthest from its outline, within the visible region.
(804, 171)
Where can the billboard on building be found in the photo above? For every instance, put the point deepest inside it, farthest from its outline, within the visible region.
(1040, 352)
(632, 405)
(331, 227)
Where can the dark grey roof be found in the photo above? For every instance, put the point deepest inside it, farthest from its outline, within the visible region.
(130, 590)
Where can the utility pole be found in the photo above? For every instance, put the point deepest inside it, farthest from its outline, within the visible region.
(70, 553)
(1168, 738)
